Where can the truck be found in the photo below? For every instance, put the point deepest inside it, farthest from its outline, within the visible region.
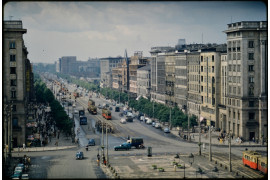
(83, 120)
(81, 113)
(106, 114)
(136, 142)
(91, 107)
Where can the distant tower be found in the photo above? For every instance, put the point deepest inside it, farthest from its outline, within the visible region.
(181, 42)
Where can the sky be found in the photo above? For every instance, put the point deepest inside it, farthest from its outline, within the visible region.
(90, 29)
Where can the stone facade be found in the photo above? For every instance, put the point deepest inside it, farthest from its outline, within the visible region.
(247, 72)
(17, 82)
(144, 81)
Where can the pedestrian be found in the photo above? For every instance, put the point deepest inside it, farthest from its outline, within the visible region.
(253, 139)
(23, 146)
(56, 143)
(104, 160)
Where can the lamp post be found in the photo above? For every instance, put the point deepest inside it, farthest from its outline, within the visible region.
(210, 145)
(230, 160)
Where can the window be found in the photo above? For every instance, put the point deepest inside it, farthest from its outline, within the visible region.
(251, 103)
(251, 68)
(13, 94)
(201, 68)
(201, 58)
(234, 68)
(15, 122)
(251, 90)
(201, 88)
(238, 49)
(250, 56)
(213, 58)
(250, 44)
(12, 57)
(251, 79)
(238, 68)
(239, 90)
(14, 108)
(13, 70)
(201, 78)
(12, 45)
(13, 82)
(230, 67)
(233, 115)
(213, 69)
(251, 116)
(234, 90)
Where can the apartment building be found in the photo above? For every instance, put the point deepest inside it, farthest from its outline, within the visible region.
(144, 81)
(194, 96)
(66, 64)
(137, 61)
(181, 80)
(170, 79)
(106, 65)
(17, 83)
(247, 79)
(210, 85)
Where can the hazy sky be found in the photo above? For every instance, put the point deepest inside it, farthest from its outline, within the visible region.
(102, 29)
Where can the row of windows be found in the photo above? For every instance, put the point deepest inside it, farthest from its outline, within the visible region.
(205, 99)
(210, 79)
(194, 68)
(206, 59)
(204, 89)
(194, 87)
(234, 79)
(233, 114)
(235, 68)
(193, 78)
(209, 69)
(233, 102)
(235, 90)
(234, 56)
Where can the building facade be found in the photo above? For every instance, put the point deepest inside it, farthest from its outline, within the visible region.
(17, 83)
(144, 81)
(247, 79)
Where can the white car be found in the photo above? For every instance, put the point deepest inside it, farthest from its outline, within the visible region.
(25, 176)
(149, 121)
(157, 125)
(142, 118)
(123, 121)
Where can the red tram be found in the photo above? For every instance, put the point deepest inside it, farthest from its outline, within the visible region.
(255, 161)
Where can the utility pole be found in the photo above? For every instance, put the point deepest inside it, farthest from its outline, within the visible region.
(200, 149)
(210, 150)
(230, 160)
(188, 125)
(107, 144)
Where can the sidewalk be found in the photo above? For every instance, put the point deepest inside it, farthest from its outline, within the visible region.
(215, 141)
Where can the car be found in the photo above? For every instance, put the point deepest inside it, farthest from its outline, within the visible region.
(79, 155)
(153, 124)
(166, 130)
(25, 176)
(21, 165)
(124, 146)
(110, 108)
(123, 121)
(158, 125)
(19, 169)
(99, 106)
(114, 104)
(76, 111)
(149, 121)
(16, 175)
(142, 118)
(91, 142)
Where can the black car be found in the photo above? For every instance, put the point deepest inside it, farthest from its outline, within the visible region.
(91, 142)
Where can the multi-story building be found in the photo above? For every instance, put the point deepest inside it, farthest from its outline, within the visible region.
(66, 64)
(222, 111)
(144, 81)
(136, 61)
(193, 97)
(17, 83)
(210, 84)
(170, 79)
(106, 65)
(247, 79)
(181, 80)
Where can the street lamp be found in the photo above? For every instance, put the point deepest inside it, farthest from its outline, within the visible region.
(191, 158)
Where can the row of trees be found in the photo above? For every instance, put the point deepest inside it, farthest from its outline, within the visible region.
(161, 112)
(45, 96)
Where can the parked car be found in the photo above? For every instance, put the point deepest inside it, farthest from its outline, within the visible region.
(91, 142)
(16, 175)
(25, 176)
(114, 104)
(124, 146)
(79, 155)
(19, 169)
(21, 165)
(158, 125)
(166, 130)
(123, 121)
(99, 106)
(149, 121)
(142, 118)
(153, 124)
(110, 108)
